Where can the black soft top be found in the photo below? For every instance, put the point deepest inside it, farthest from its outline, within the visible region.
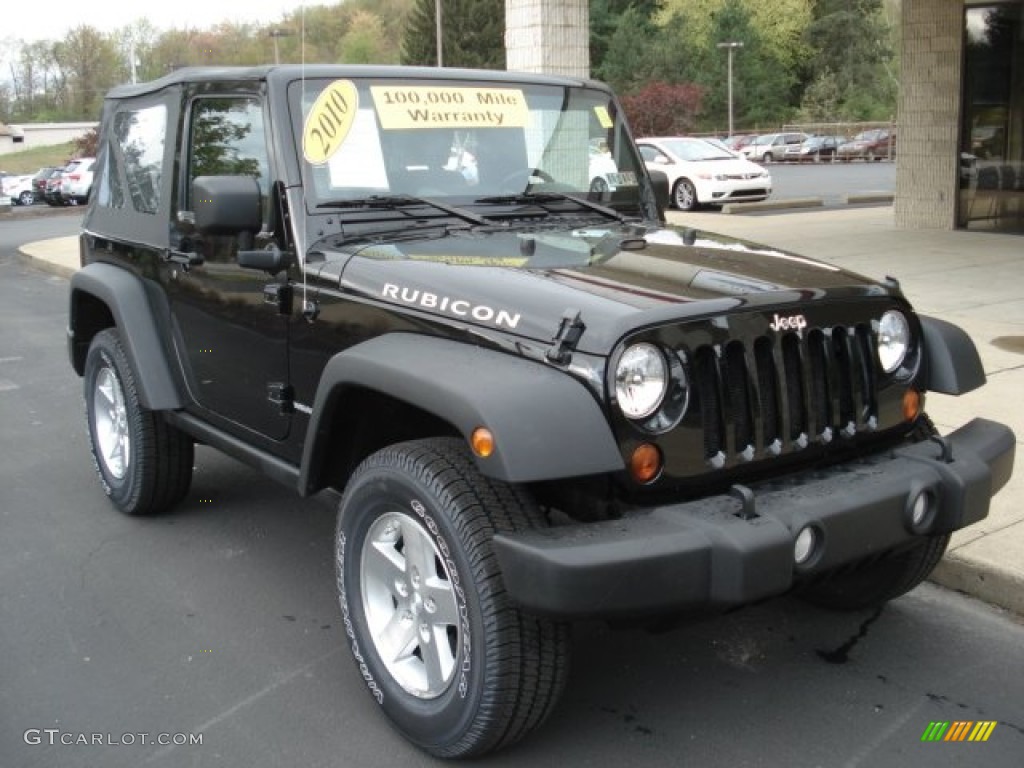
(287, 72)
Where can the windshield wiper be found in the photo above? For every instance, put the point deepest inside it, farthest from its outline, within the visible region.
(397, 202)
(539, 198)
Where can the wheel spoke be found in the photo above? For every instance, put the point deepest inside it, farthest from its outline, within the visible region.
(437, 658)
(418, 551)
(385, 564)
(399, 637)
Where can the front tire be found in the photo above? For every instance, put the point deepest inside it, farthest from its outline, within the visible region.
(878, 582)
(26, 198)
(684, 195)
(458, 669)
(144, 464)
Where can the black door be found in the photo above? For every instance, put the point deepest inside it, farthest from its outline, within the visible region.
(231, 343)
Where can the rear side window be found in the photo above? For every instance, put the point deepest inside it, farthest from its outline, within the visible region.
(133, 164)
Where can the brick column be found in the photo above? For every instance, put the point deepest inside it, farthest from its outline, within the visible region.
(927, 152)
(548, 36)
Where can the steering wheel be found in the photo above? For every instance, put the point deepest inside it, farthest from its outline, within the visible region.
(520, 179)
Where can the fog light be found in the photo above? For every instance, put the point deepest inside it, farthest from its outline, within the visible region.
(806, 543)
(921, 511)
(645, 463)
(482, 442)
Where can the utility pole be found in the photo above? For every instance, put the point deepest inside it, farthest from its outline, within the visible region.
(730, 47)
(437, 14)
(275, 34)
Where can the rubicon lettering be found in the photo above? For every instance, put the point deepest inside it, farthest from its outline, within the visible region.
(790, 323)
(458, 307)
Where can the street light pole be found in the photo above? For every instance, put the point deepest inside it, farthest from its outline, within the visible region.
(730, 47)
(437, 14)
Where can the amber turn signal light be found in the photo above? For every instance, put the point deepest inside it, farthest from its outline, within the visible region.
(482, 442)
(911, 404)
(645, 463)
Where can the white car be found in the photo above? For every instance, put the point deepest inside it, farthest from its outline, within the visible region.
(76, 185)
(19, 189)
(772, 146)
(700, 173)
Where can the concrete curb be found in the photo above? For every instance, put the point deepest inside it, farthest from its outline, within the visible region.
(774, 205)
(981, 581)
(45, 265)
(869, 197)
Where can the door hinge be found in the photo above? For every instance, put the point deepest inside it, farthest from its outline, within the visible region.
(282, 395)
(280, 295)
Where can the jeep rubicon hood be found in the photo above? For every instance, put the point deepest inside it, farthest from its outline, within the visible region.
(618, 277)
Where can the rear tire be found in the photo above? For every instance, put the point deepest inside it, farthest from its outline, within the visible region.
(881, 581)
(458, 668)
(144, 464)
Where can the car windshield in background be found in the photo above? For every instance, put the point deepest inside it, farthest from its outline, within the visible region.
(447, 139)
(695, 150)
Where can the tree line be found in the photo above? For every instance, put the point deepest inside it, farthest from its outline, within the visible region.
(800, 60)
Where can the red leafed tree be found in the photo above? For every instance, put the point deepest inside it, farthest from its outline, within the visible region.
(664, 109)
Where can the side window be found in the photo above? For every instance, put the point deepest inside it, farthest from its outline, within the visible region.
(133, 163)
(650, 154)
(227, 138)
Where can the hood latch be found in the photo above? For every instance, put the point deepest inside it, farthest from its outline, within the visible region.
(570, 329)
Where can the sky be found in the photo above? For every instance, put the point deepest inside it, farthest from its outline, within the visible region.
(54, 18)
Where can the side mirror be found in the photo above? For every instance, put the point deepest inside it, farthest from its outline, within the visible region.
(226, 205)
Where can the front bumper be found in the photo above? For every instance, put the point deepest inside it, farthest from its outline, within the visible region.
(719, 552)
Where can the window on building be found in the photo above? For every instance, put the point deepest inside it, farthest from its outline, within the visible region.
(992, 132)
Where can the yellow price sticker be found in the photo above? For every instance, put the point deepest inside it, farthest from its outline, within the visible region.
(603, 117)
(401, 107)
(329, 121)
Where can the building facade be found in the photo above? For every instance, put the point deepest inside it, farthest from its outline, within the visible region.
(960, 162)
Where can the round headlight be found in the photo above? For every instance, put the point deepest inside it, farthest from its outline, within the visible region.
(893, 340)
(641, 379)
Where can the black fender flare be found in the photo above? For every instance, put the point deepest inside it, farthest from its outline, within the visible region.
(546, 424)
(952, 365)
(125, 296)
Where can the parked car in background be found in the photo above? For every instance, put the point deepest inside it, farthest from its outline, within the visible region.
(19, 189)
(876, 144)
(52, 192)
(76, 185)
(720, 143)
(39, 181)
(738, 140)
(815, 149)
(700, 173)
(772, 146)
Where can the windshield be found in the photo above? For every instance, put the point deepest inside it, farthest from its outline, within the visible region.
(694, 150)
(461, 140)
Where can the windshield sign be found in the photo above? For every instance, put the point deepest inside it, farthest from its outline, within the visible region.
(366, 138)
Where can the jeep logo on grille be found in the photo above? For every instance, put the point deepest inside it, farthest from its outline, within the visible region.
(790, 323)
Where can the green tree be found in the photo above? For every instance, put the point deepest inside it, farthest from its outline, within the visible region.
(473, 34)
(641, 51)
(852, 40)
(89, 66)
(762, 83)
(607, 17)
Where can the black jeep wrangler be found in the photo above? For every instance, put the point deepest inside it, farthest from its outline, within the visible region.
(451, 296)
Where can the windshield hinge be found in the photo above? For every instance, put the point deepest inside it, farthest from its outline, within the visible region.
(570, 329)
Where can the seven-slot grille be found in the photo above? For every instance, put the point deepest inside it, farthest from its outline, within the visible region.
(782, 392)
